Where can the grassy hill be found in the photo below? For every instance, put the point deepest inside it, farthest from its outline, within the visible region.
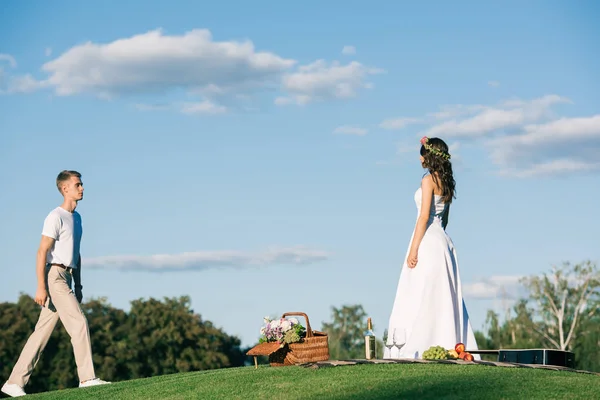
(386, 381)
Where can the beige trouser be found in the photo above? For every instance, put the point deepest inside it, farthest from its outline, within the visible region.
(61, 304)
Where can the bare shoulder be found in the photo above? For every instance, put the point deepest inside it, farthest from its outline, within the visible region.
(427, 183)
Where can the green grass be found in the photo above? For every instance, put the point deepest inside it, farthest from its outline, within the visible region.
(388, 381)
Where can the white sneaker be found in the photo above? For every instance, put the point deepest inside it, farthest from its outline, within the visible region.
(93, 382)
(13, 390)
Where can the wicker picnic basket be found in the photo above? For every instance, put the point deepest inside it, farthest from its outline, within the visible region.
(313, 347)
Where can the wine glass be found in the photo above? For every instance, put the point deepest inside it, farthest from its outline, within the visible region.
(389, 346)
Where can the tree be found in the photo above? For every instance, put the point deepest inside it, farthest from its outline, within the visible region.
(586, 345)
(171, 338)
(564, 300)
(346, 333)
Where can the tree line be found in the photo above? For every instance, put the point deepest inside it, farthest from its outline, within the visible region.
(157, 337)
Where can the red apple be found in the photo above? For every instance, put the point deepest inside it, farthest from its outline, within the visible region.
(468, 356)
(459, 348)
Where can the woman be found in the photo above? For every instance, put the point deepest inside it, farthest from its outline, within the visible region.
(429, 309)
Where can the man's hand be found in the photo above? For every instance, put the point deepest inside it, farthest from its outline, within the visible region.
(41, 295)
(78, 294)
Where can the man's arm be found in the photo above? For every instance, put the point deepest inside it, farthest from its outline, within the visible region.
(41, 294)
(77, 279)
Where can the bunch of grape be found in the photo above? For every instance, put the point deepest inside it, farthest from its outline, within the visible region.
(435, 353)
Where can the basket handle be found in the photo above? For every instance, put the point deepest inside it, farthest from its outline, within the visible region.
(309, 332)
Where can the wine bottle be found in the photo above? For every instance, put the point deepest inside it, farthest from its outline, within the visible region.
(369, 341)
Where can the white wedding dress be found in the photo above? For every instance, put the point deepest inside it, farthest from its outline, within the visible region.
(429, 309)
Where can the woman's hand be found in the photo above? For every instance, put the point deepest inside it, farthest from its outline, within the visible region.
(412, 259)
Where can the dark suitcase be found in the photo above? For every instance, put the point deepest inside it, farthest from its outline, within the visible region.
(538, 356)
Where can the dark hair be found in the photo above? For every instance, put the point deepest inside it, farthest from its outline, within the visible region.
(437, 161)
(65, 175)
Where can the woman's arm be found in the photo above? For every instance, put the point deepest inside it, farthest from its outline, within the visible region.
(421, 226)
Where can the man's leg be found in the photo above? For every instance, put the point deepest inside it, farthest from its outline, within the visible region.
(34, 347)
(73, 319)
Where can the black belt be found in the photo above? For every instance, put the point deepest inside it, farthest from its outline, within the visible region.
(62, 266)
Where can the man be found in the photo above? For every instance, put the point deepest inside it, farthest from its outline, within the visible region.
(58, 264)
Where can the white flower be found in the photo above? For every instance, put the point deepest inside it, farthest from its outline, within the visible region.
(286, 325)
(275, 323)
(266, 319)
(262, 330)
(294, 321)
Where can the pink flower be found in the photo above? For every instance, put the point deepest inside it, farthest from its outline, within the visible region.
(424, 140)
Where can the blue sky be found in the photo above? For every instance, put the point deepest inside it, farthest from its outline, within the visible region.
(263, 158)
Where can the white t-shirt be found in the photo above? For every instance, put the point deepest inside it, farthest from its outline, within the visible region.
(65, 228)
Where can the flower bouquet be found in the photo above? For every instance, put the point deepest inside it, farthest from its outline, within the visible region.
(282, 330)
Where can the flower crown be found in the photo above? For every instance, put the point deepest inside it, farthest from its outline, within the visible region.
(433, 150)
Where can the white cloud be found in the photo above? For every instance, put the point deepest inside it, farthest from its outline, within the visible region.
(23, 84)
(48, 51)
(524, 138)
(397, 123)
(562, 146)
(350, 130)
(493, 83)
(349, 50)
(554, 167)
(155, 62)
(190, 108)
(193, 62)
(203, 107)
(456, 110)
(321, 80)
(210, 89)
(10, 59)
(558, 131)
(152, 107)
(282, 101)
(485, 122)
(494, 287)
(509, 115)
(10, 84)
(203, 260)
